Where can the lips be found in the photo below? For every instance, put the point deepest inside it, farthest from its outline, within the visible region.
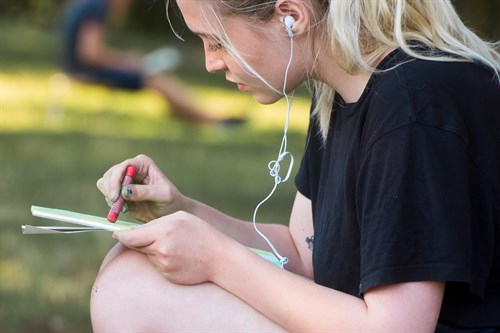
(242, 87)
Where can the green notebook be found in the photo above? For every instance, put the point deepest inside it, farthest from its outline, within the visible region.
(94, 223)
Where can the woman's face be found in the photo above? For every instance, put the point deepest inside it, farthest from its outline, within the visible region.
(267, 50)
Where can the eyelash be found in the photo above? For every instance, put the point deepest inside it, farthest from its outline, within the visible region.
(215, 47)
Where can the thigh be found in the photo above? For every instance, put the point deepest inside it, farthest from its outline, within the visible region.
(130, 295)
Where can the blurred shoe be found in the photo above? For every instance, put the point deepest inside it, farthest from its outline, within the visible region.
(233, 121)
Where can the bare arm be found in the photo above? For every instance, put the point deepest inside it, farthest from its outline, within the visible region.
(299, 304)
(290, 242)
(92, 50)
(187, 250)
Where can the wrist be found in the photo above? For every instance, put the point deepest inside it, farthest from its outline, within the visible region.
(225, 260)
(189, 205)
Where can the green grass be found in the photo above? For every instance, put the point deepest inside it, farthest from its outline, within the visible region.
(48, 277)
(56, 140)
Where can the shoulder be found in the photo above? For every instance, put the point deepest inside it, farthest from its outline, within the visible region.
(434, 81)
(449, 96)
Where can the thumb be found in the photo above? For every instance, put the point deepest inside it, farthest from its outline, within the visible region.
(156, 193)
(138, 238)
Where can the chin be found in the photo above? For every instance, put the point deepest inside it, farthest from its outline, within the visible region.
(266, 99)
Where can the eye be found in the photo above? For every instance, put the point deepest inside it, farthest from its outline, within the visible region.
(215, 47)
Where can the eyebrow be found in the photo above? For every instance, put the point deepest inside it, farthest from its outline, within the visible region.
(205, 35)
(198, 33)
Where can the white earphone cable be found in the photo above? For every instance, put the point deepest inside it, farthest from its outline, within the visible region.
(274, 166)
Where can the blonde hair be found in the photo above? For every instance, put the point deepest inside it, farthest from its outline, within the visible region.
(361, 31)
(358, 32)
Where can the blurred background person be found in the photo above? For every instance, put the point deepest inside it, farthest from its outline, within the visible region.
(87, 57)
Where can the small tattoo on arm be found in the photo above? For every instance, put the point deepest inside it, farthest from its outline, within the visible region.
(310, 242)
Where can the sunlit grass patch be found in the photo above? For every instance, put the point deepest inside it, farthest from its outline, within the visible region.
(55, 103)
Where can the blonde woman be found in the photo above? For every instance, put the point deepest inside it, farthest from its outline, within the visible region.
(396, 222)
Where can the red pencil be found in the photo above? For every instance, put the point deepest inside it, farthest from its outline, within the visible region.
(116, 208)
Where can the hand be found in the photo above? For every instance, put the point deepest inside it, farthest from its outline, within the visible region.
(150, 196)
(184, 248)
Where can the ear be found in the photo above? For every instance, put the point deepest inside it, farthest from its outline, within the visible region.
(297, 10)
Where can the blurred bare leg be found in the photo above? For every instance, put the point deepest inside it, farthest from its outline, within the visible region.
(178, 96)
(130, 295)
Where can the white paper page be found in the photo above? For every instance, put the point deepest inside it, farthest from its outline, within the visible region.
(38, 230)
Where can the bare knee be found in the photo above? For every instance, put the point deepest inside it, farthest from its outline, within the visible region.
(130, 295)
(112, 254)
(117, 291)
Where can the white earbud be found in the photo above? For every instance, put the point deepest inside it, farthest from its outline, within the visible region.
(289, 21)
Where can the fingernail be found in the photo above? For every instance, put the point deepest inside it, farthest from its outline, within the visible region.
(127, 192)
(124, 207)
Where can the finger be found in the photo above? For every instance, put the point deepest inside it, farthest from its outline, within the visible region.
(155, 193)
(111, 182)
(125, 206)
(144, 166)
(109, 202)
(139, 238)
(101, 186)
(115, 180)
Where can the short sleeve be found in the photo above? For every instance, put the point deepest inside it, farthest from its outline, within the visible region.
(417, 211)
(302, 177)
(96, 11)
(305, 179)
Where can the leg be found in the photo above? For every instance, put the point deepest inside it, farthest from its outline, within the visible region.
(112, 254)
(130, 295)
(177, 95)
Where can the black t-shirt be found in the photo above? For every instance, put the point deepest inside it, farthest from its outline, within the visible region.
(407, 187)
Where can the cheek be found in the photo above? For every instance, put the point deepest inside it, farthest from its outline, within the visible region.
(270, 69)
(272, 66)
(268, 60)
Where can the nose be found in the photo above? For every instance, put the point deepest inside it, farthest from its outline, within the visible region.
(214, 61)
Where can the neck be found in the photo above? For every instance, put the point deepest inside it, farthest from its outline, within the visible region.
(349, 86)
